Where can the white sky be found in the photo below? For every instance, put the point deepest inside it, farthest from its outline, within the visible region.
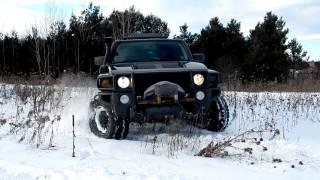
(302, 16)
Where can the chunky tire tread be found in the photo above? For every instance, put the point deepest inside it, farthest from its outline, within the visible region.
(116, 128)
(218, 116)
(122, 129)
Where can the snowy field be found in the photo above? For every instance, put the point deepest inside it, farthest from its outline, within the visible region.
(36, 140)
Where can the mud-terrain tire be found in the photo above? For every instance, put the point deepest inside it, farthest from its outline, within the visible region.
(122, 129)
(218, 115)
(104, 123)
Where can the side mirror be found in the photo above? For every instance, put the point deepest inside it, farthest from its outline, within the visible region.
(108, 40)
(199, 57)
(103, 69)
(99, 61)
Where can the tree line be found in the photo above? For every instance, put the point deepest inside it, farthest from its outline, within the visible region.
(265, 55)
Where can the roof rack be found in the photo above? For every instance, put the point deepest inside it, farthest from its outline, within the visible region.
(145, 36)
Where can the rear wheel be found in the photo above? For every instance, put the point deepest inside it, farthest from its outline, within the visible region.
(218, 115)
(104, 123)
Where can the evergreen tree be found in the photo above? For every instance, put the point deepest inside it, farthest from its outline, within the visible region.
(212, 39)
(234, 47)
(153, 24)
(267, 59)
(297, 56)
(224, 47)
(187, 36)
(264, 55)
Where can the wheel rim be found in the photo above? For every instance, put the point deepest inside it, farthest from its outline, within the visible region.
(102, 119)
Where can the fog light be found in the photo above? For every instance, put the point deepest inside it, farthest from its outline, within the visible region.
(200, 95)
(124, 99)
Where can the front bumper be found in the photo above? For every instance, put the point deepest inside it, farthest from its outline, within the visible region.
(160, 105)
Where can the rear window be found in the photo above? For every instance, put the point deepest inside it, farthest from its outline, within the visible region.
(137, 51)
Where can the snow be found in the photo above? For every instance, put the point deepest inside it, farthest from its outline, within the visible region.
(166, 153)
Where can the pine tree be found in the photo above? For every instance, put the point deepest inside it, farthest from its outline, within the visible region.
(267, 59)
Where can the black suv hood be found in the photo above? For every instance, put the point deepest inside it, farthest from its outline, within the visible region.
(167, 66)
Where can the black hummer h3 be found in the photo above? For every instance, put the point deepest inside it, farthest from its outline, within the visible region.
(148, 78)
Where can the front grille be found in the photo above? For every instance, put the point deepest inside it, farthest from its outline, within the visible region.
(143, 81)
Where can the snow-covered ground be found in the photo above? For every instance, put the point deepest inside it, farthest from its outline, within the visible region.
(36, 140)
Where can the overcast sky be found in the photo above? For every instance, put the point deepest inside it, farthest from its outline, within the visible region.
(302, 16)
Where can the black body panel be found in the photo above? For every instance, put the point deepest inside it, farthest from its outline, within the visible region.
(146, 73)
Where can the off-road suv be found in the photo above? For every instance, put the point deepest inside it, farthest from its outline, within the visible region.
(149, 78)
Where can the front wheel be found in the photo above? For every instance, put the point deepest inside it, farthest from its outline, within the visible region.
(217, 117)
(104, 123)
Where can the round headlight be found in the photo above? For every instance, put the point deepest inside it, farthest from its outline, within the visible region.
(123, 82)
(198, 79)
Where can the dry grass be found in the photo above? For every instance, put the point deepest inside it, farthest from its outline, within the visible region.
(42, 105)
(28, 80)
(307, 85)
(84, 80)
(67, 79)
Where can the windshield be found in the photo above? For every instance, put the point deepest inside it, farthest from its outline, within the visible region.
(141, 51)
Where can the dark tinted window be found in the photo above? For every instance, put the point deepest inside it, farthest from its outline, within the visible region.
(136, 51)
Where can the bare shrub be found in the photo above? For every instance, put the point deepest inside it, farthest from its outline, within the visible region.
(171, 138)
(4, 92)
(3, 122)
(220, 148)
(45, 113)
(22, 92)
